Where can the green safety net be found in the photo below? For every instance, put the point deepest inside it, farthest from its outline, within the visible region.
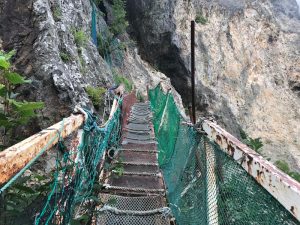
(73, 190)
(94, 24)
(205, 185)
(109, 46)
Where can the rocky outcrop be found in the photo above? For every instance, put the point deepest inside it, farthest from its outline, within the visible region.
(247, 59)
(43, 33)
(247, 62)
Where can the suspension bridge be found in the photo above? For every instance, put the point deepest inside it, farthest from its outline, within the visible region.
(149, 165)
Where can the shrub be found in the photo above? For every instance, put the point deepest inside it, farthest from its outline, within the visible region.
(104, 45)
(119, 23)
(96, 95)
(80, 38)
(12, 111)
(119, 79)
(65, 57)
(57, 13)
(107, 45)
(283, 166)
(201, 19)
(295, 175)
(255, 144)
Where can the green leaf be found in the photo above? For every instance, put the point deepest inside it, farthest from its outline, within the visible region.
(24, 189)
(4, 64)
(44, 188)
(255, 144)
(10, 54)
(22, 180)
(243, 134)
(5, 121)
(24, 106)
(3, 90)
(15, 78)
(283, 166)
(40, 177)
(97, 187)
(112, 201)
(295, 175)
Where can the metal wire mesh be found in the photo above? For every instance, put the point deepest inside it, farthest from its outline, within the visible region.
(143, 203)
(108, 218)
(206, 186)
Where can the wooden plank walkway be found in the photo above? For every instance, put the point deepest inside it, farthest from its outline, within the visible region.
(137, 196)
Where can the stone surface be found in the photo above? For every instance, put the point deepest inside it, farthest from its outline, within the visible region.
(247, 63)
(41, 31)
(248, 57)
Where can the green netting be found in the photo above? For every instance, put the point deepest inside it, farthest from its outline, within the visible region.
(164, 116)
(206, 186)
(75, 177)
(110, 48)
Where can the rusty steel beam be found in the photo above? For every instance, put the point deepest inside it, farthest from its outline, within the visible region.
(16, 157)
(281, 186)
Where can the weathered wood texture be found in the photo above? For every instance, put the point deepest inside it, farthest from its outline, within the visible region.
(16, 157)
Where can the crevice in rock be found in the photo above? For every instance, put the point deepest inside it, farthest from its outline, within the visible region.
(295, 87)
(19, 16)
(158, 49)
(102, 8)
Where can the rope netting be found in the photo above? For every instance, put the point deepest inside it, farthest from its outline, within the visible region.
(75, 180)
(73, 192)
(205, 185)
(109, 46)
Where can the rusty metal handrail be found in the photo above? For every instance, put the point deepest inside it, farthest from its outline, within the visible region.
(14, 158)
(281, 186)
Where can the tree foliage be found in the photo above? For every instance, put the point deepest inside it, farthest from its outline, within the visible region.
(96, 95)
(80, 37)
(254, 143)
(284, 167)
(119, 23)
(201, 19)
(12, 111)
(120, 79)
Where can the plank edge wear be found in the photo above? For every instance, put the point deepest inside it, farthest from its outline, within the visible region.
(280, 185)
(14, 158)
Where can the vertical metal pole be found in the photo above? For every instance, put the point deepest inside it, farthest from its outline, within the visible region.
(193, 69)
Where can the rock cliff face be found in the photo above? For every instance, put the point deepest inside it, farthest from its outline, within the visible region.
(247, 62)
(247, 59)
(32, 28)
(43, 33)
